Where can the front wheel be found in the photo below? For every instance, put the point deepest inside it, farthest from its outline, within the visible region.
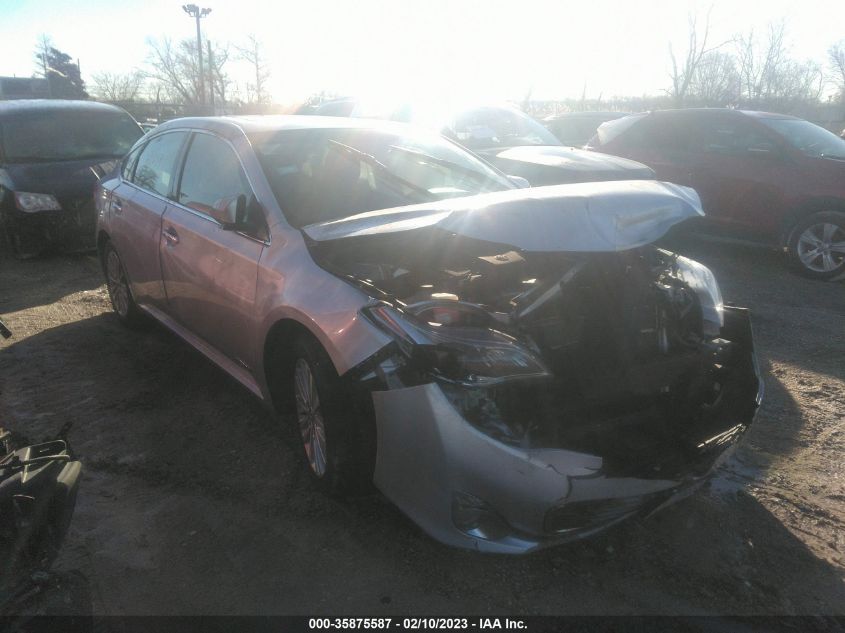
(816, 245)
(328, 427)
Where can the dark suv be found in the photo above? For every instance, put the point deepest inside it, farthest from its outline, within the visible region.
(768, 177)
(52, 153)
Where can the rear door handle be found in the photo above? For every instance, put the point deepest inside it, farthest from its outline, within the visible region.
(170, 235)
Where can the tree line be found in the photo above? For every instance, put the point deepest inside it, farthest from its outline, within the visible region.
(170, 76)
(754, 70)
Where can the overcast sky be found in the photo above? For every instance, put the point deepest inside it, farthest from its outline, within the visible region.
(459, 49)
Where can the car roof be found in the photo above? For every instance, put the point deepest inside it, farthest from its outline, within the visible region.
(17, 107)
(587, 114)
(723, 111)
(262, 123)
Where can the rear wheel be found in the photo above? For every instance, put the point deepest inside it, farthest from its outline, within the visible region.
(118, 286)
(817, 245)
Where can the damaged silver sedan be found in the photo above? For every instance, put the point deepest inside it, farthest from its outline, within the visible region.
(513, 368)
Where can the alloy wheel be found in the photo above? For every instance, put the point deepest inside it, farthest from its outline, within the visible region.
(117, 286)
(310, 417)
(821, 247)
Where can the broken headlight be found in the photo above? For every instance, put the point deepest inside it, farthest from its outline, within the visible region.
(703, 283)
(470, 356)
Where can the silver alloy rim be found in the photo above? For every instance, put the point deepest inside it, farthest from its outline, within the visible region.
(310, 417)
(118, 290)
(821, 247)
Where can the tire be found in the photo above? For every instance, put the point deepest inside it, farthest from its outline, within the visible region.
(816, 245)
(327, 426)
(120, 294)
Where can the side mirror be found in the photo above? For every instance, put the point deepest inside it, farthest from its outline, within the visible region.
(519, 181)
(247, 216)
(233, 213)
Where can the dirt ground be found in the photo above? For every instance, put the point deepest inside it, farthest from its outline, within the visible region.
(194, 501)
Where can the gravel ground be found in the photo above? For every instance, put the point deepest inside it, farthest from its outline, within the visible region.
(194, 501)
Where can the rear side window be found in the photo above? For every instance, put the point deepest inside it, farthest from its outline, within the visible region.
(156, 168)
(731, 135)
(212, 177)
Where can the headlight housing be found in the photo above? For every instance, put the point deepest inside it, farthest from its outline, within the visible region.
(34, 202)
(702, 281)
(467, 355)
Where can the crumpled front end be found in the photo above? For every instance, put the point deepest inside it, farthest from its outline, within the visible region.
(469, 483)
(533, 396)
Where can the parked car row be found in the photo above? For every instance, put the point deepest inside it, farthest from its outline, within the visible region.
(513, 367)
(765, 177)
(506, 138)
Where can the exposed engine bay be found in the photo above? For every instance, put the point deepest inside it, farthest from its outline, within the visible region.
(627, 355)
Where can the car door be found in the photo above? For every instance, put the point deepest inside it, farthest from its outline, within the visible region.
(209, 268)
(136, 207)
(741, 172)
(661, 140)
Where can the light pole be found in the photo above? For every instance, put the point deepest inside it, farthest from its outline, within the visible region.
(195, 12)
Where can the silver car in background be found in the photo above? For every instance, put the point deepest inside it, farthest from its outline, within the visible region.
(513, 368)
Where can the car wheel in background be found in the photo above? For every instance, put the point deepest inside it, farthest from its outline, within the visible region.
(816, 245)
(118, 286)
(326, 423)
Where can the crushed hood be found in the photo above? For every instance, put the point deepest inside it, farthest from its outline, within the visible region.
(570, 159)
(583, 217)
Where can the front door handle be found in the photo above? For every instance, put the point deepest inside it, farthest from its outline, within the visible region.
(171, 236)
(116, 205)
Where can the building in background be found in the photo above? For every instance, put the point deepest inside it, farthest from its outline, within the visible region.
(24, 88)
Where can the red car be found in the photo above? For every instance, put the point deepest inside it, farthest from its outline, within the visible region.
(766, 177)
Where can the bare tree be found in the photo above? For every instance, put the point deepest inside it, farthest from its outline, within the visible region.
(251, 53)
(769, 75)
(684, 69)
(836, 60)
(118, 87)
(174, 68)
(759, 62)
(219, 80)
(716, 81)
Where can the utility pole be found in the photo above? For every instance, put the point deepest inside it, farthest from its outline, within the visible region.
(197, 13)
(210, 74)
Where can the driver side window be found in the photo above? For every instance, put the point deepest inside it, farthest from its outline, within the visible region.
(214, 184)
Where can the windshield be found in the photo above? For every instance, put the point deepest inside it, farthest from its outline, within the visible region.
(807, 137)
(58, 136)
(487, 128)
(319, 175)
(609, 130)
(578, 129)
